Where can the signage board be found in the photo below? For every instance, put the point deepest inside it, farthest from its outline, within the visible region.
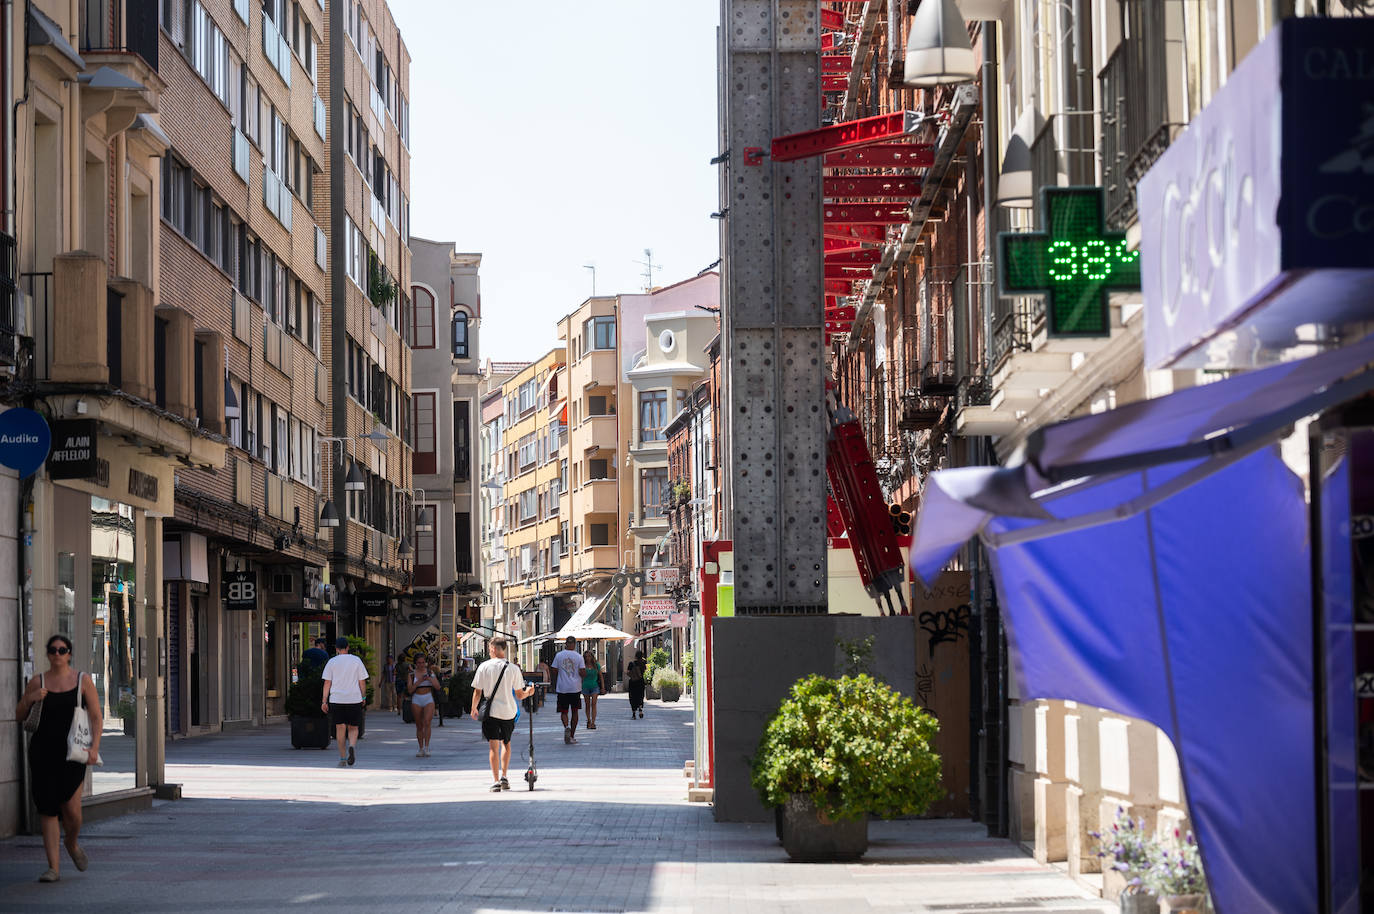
(24, 440)
(655, 609)
(1073, 262)
(374, 602)
(677, 620)
(1258, 218)
(661, 575)
(241, 590)
(75, 449)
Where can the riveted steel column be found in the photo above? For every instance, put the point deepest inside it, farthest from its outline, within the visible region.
(773, 298)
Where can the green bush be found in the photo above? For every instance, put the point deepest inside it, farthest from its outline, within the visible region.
(306, 694)
(688, 665)
(658, 658)
(667, 676)
(854, 745)
(364, 652)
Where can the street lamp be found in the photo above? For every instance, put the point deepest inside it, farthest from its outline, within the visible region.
(353, 482)
(378, 435)
(1015, 187)
(938, 51)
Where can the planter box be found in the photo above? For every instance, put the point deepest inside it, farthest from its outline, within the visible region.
(808, 839)
(310, 732)
(671, 693)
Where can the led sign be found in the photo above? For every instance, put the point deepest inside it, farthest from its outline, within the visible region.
(1074, 262)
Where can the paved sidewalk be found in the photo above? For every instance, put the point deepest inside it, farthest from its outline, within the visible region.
(264, 827)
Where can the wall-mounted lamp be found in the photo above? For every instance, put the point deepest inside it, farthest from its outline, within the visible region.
(1015, 187)
(938, 51)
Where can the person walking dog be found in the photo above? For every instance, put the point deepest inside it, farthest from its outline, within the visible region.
(55, 777)
(344, 676)
(503, 682)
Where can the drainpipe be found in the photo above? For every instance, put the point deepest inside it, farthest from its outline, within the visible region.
(991, 167)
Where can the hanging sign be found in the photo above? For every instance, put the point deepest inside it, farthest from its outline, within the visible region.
(374, 602)
(75, 449)
(653, 609)
(241, 590)
(661, 575)
(1073, 261)
(24, 440)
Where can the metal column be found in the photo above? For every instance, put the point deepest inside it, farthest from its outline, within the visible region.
(772, 306)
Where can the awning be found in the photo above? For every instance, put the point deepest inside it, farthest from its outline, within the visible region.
(585, 613)
(1153, 561)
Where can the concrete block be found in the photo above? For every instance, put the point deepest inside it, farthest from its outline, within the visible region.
(1170, 778)
(700, 794)
(1050, 801)
(1021, 807)
(1049, 739)
(79, 319)
(181, 363)
(211, 380)
(1016, 729)
(136, 337)
(1114, 754)
(1142, 740)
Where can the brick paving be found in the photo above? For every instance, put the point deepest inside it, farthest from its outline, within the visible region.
(263, 827)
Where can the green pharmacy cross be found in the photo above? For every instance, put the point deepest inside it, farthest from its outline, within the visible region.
(1073, 261)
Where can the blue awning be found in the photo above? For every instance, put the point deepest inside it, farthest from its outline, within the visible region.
(1153, 561)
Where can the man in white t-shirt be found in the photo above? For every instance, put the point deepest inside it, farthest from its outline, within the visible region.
(344, 676)
(570, 666)
(504, 682)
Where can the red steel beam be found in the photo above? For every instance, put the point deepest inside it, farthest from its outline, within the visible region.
(828, 41)
(852, 233)
(867, 214)
(870, 256)
(842, 245)
(831, 83)
(836, 63)
(832, 19)
(894, 155)
(903, 187)
(839, 287)
(849, 273)
(845, 313)
(846, 135)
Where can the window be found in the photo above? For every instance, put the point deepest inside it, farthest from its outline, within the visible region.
(460, 335)
(600, 332)
(422, 320)
(425, 459)
(426, 563)
(529, 506)
(653, 491)
(653, 415)
(597, 469)
(599, 534)
(462, 542)
(462, 442)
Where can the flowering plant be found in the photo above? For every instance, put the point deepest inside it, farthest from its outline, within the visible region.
(1131, 848)
(1177, 870)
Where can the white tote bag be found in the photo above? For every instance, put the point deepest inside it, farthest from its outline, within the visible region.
(79, 736)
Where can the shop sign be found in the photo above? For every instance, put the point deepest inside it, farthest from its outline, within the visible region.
(75, 449)
(24, 440)
(677, 620)
(661, 575)
(1259, 217)
(374, 602)
(656, 609)
(241, 590)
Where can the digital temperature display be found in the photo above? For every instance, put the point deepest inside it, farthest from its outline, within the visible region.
(1074, 262)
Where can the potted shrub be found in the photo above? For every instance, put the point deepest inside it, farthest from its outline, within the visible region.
(364, 652)
(668, 683)
(1177, 877)
(657, 659)
(839, 751)
(309, 724)
(1132, 851)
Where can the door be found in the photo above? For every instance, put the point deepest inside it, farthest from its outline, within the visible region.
(238, 665)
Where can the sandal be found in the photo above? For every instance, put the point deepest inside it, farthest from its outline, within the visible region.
(79, 858)
(49, 875)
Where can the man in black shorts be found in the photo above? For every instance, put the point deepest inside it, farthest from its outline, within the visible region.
(569, 666)
(504, 682)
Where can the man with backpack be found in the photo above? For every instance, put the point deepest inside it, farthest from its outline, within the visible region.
(496, 687)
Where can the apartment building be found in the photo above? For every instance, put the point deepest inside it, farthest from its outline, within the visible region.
(492, 473)
(944, 371)
(367, 175)
(445, 334)
(537, 591)
(89, 339)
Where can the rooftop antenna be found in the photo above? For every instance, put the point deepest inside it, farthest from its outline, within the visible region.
(592, 267)
(648, 264)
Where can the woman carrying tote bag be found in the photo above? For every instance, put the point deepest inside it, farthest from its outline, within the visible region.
(57, 781)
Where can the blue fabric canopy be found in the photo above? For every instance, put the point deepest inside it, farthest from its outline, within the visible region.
(1154, 561)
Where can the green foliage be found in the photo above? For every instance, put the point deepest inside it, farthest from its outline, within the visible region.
(306, 694)
(657, 659)
(380, 289)
(688, 666)
(667, 676)
(858, 655)
(854, 745)
(364, 652)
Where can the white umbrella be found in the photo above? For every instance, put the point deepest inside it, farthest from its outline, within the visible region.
(595, 631)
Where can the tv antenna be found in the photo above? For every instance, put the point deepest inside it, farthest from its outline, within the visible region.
(649, 266)
(592, 267)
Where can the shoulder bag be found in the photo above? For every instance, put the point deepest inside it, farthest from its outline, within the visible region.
(484, 706)
(36, 711)
(79, 736)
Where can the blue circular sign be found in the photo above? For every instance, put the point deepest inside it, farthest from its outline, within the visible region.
(24, 440)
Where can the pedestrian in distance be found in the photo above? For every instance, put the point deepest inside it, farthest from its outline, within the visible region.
(388, 684)
(400, 684)
(56, 780)
(316, 656)
(635, 676)
(505, 684)
(423, 686)
(344, 676)
(570, 666)
(593, 686)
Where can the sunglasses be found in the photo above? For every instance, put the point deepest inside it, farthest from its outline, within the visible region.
(59, 649)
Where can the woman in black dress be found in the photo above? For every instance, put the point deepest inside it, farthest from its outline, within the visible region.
(635, 675)
(56, 781)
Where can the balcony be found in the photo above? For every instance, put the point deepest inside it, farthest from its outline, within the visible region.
(597, 496)
(919, 412)
(594, 433)
(596, 368)
(117, 27)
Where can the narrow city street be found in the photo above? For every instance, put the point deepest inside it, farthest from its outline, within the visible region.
(262, 827)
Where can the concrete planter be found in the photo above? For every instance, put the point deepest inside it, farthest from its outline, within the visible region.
(671, 693)
(310, 732)
(1184, 904)
(809, 838)
(1142, 903)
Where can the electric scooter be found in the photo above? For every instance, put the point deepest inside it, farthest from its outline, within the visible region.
(532, 704)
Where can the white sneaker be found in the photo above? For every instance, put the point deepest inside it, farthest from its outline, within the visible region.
(420, 754)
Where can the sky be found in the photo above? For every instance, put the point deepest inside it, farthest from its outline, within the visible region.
(555, 135)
